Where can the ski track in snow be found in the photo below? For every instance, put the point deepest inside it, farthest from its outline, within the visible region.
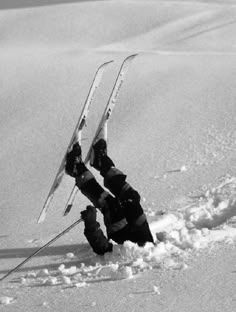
(208, 219)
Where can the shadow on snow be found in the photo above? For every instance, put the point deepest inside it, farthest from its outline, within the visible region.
(49, 251)
(83, 254)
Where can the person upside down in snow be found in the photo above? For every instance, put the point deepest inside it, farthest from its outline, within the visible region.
(123, 215)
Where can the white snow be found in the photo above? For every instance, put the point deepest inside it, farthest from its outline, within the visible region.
(183, 168)
(208, 220)
(80, 285)
(70, 255)
(43, 273)
(49, 281)
(6, 300)
(173, 134)
(156, 290)
(66, 280)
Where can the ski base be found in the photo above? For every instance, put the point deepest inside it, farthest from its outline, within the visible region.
(76, 137)
(105, 118)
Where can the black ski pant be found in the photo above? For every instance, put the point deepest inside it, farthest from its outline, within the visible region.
(123, 214)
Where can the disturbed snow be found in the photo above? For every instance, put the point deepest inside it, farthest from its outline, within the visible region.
(206, 220)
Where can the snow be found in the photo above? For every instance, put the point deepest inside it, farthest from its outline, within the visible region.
(6, 300)
(156, 290)
(43, 273)
(172, 132)
(70, 255)
(209, 220)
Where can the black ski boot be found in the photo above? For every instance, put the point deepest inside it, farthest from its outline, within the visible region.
(99, 152)
(74, 161)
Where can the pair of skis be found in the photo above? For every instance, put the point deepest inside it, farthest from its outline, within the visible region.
(76, 137)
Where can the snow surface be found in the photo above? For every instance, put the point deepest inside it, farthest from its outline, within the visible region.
(172, 132)
(201, 224)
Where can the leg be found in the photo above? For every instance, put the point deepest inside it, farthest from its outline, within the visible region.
(129, 199)
(115, 182)
(86, 182)
(88, 186)
(109, 206)
(113, 178)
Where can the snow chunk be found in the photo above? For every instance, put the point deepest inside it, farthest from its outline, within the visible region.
(50, 281)
(156, 290)
(43, 273)
(45, 304)
(61, 267)
(80, 285)
(31, 275)
(70, 255)
(66, 280)
(183, 169)
(138, 262)
(6, 300)
(67, 271)
(122, 273)
(23, 281)
(114, 271)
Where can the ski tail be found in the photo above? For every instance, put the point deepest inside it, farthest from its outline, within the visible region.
(105, 117)
(112, 100)
(76, 137)
(71, 200)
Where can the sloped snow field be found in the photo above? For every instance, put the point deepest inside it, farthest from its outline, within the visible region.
(172, 132)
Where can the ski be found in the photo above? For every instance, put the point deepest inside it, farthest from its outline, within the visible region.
(105, 117)
(76, 137)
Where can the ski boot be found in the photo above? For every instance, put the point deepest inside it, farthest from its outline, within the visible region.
(98, 158)
(74, 160)
(99, 151)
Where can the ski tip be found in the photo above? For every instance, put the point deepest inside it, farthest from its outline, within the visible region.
(128, 59)
(41, 218)
(132, 56)
(106, 63)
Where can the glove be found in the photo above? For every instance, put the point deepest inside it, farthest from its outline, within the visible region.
(90, 217)
(73, 158)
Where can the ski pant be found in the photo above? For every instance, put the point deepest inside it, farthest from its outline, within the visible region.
(123, 215)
